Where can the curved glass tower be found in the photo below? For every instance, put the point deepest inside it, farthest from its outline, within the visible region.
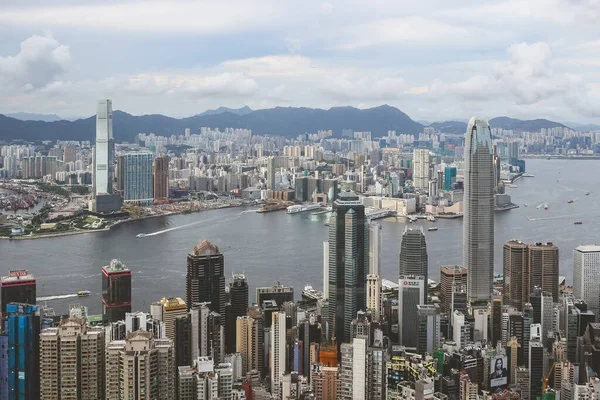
(478, 222)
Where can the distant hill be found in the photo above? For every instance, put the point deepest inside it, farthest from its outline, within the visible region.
(533, 125)
(237, 111)
(34, 117)
(583, 127)
(285, 121)
(450, 127)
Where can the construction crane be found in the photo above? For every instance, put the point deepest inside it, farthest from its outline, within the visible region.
(547, 377)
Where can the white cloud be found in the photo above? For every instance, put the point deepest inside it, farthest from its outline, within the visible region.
(40, 61)
(411, 29)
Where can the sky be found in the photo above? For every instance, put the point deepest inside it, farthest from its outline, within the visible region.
(435, 60)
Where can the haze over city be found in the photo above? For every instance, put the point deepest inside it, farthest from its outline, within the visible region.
(433, 59)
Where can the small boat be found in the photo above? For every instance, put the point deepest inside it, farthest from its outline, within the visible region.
(578, 222)
(525, 205)
(432, 228)
(587, 193)
(83, 293)
(570, 201)
(513, 186)
(545, 206)
(540, 206)
(140, 235)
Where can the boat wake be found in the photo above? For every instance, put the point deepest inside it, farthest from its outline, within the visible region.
(59, 297)
(563, 217)
(204, 221)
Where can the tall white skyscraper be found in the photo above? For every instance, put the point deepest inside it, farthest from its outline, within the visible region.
(421, 168)
(478, 221)
(374, 248)
(104, 149)
(586, 275)
(277, 355)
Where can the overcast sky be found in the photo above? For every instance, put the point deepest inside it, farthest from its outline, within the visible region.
(433, 59)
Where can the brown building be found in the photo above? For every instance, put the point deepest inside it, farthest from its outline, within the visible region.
(450, 275)
(326, 383)
(72, 361)
(526, 266)
(161, 178)
(515, 274)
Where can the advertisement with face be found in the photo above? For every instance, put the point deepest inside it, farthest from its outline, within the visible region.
(498, 371)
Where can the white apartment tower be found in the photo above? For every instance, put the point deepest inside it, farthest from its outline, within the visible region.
(586, 275)
(421, 168)
(478, 220)
(278, 353)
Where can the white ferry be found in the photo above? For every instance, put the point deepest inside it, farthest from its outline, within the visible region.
(140, 235)
(432, 228)
(301, 208)
(311, 294)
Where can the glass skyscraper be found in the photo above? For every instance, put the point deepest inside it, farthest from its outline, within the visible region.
(348, 263)
(136, 178)
(478, 221)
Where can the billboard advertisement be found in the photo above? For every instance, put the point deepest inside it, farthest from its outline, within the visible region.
(498, 371)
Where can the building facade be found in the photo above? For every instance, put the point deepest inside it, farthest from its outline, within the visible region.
(205, 279)
(586, 275)
(348, 263)
(478, 220)
(413, 256)
(136, 178)
(161, 178)
(116, 291)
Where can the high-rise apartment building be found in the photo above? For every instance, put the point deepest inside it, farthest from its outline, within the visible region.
(136, 178)
(161, 178)
(18, 287)
(478, 220)
(450, 276)
(374, 295)
(515, 273)
(410, 295)
(72, 361)
(526, 267)
(278, 353)
(171, 309)
(140, 367)
(326, 383)
(22, 361)
(205, 280)
(278, 293)
(237, 307)
(421, 168)
(586, 275)
(348, 263)
(428, 328)
(375, 243)
(271, 173)
(116, 291)
(413, 256)
(449, 177)
(543, 268)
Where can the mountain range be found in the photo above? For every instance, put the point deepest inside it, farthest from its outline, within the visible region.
(285, 121)
(23, 116)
